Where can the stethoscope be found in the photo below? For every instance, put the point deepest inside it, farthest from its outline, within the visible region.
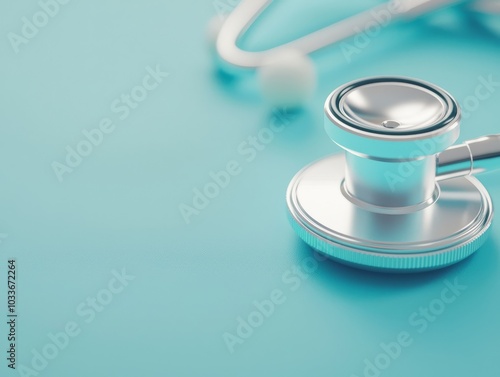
(401, 197)
(286, 73)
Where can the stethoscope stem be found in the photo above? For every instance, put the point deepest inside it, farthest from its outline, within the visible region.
(472, 157)
(379, 205)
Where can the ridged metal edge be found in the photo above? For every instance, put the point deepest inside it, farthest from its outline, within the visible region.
(390, 262)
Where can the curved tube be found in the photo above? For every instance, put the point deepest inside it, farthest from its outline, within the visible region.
(249, 10)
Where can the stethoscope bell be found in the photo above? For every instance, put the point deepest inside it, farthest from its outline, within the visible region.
(401, 197)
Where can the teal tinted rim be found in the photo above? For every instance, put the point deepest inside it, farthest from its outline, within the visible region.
(390, 262)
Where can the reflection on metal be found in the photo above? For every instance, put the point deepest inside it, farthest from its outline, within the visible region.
(401, 197)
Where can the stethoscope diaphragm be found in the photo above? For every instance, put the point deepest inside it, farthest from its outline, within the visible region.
(401, 197)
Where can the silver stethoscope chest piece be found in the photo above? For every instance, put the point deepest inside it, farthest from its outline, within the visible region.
(401, 197)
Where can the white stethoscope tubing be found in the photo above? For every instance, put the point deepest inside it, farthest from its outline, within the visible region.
(248, 11)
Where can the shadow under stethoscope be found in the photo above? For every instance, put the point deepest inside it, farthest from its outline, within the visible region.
(296, 122)
(381, 300)
(236, 87)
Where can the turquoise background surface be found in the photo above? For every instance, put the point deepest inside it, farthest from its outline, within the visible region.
(188, 284)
